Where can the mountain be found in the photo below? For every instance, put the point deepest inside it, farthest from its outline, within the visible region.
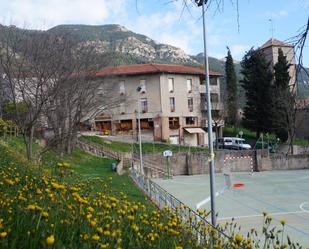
(117, 39)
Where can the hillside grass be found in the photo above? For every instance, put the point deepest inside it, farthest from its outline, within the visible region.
(146, 147)
(89, 208)
(85, 165)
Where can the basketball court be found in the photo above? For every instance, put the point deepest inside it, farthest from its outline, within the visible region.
(284, 195)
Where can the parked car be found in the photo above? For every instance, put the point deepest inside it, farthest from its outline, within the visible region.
(240, 144)
(233, 143)
(224, 143)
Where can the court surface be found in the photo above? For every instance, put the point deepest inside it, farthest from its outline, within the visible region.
(284, 195)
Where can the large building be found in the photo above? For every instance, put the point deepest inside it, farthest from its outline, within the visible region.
(171, 102)
(270, 50)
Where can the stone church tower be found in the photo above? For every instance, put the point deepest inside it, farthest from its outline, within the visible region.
(270, 50)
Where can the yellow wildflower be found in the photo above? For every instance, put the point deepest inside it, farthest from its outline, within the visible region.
(31, 207)
(50, 240)
(95, 237)
(3, 235)
(45, 214)
(238, 238)
(9, 182)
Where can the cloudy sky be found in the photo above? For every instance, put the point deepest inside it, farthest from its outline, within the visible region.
(167, 21)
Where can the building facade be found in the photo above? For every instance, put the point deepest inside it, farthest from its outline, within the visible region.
(270, 50)
(169, 98)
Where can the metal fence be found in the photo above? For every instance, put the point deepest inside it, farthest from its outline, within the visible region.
(196, 222)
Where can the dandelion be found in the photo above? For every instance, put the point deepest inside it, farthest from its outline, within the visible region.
(283, 222)
(45, 214)
(31, 207)
(93, 223)
(104, 246)
(50, 240)
(9, 182)
(238, 238)
(95, 237)
(3, 235)
(130, 217)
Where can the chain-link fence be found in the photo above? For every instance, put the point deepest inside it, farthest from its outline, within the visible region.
(194, 221)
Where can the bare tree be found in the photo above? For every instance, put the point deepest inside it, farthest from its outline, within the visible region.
(80, 97)
(30, 63)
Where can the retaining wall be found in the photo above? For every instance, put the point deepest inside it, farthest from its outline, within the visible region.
(283, 162)
(197, 163)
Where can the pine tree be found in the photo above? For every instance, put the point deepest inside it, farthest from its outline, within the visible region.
(282, 97)
(257, 79)
(231, 87)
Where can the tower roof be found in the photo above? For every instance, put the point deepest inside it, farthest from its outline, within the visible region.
(275, 43)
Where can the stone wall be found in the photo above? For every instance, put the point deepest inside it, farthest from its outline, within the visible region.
(197, 163)
(229, 161)
(283, 162)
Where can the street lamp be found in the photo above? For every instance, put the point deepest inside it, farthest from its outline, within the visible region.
(138, 89)
(210, 142)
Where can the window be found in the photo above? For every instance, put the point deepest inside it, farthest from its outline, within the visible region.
(173, 123)
(213, 81)
(215, 114)
(189, 85)
(214, 97)
(190, 120)
(172, 104)
(122, 108)
(144, 105)
(121, 87)
(190, 104)
(170, 85)
(142, 84)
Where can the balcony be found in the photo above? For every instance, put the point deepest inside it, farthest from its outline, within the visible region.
(215, 104)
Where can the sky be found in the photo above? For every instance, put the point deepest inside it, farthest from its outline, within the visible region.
(168, 21)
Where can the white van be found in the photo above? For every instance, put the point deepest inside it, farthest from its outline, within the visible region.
(233, 143)
(240, 144)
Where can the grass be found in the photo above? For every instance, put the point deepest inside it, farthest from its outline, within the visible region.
(85, 165)
(302, 142)
(147, 147)
(89, 167)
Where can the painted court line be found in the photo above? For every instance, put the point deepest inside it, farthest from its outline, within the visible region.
(198, 205)
(303, 209)
(261, 215)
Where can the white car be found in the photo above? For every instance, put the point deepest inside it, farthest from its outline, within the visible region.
(233, 143)
(240, 144)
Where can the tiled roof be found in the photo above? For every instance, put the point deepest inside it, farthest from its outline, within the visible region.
(275, 42)
(151, 69)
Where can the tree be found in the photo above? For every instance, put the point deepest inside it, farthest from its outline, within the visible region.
(80, 97)
(30, 62)
(282, 94)
(231, 87)
(256, 82)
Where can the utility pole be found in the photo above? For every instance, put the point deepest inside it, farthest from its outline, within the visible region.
(210, 140)
(139, 131)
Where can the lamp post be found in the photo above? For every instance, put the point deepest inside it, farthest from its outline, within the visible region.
(139, 88)
(210, 140)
